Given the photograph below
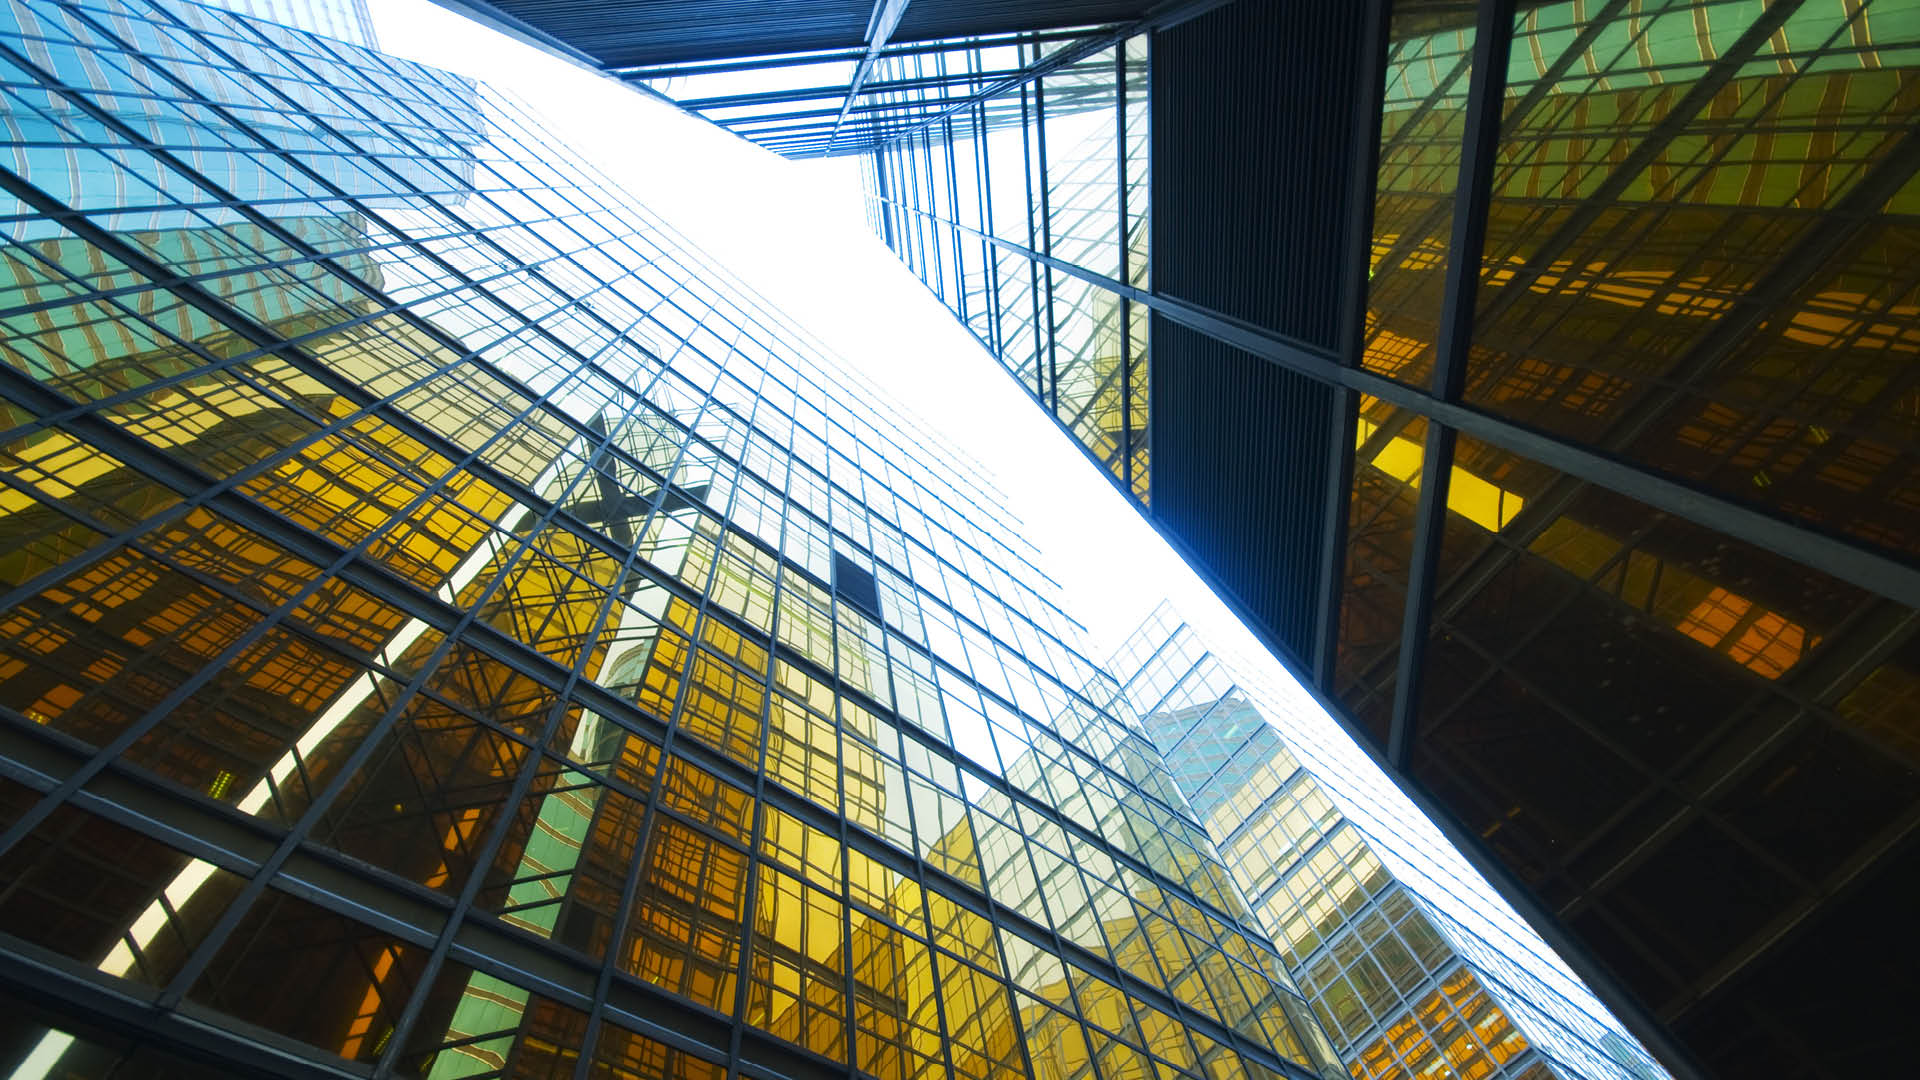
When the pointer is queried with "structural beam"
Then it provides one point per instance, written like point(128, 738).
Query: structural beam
point(1837, 556)
point(886, 16)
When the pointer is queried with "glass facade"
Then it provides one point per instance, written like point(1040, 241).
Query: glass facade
point(452, 628)
point(1023, 206)
point(1026, 213)
point(348, 20)
point(1616, 546)
point(1412, 965)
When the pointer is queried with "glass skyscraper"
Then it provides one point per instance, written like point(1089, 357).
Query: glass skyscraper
point(1535, 376)
point(1414, 965)
point(452, 628)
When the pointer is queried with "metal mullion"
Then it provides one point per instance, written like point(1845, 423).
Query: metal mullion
point(1033, 271)
point(1163, 16)
point(177, 475)
point(810, 93)
point(994, 908)
point(750, 890)
point(222, 311)
point(880, 27)
point(1125, 305)
point(1046, 236)
point(356, 151)
point(910, 182)
point(630, 72)
point(1364, 154)
point(842, 834)
point(203, 493)
point(983, 164)
point(982, 214)
point(1493, 39)
point(296, 835)
point(649, 801)
point(880, 194)
point(936, 277)
point(916, 869)
point(849, 980)
point(870, 115)
point(903, 221)
point(953, 207)
point(932, 225)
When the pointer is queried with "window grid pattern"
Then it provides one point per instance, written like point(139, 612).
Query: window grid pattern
point(419, 576)
point(1402, 989)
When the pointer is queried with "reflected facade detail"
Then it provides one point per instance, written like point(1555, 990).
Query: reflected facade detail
point(1413, 967)
point(453, 629)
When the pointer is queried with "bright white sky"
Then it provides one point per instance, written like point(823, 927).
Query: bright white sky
point(797, 232)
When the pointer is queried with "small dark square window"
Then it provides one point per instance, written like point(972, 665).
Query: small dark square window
point(856, 586)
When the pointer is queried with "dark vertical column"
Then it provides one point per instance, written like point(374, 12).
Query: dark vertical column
point(1253, 112)
point(1485, 92)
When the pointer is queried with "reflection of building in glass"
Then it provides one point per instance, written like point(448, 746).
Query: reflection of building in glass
point(1412, 971)
point(450, 628)
point(1081, 134)
point(1537, 377)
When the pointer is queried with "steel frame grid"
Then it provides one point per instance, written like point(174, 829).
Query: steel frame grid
point(1177, 654)
point(556, 679)
point(1820, 548)
point(918, 156)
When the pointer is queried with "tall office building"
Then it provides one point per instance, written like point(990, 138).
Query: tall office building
point(1415, 967)
point(451, 628)
point(1535, 375)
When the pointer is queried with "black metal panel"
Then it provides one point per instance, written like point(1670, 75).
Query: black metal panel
point(1240, 448)
point(1252, 145)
